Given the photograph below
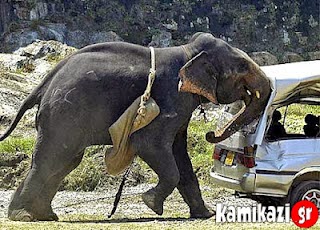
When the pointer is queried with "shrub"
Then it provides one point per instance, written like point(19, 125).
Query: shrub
point(200, 151)
point(18, 144)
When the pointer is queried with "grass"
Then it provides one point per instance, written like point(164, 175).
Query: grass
point(91, 172)
point(296, 113)
point(86, 176)
point(17, 144)
point(200, 151)
point(100, 222)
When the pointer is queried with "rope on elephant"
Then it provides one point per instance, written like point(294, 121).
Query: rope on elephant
point(147, 93)
point(140, 113)
point(118, 195)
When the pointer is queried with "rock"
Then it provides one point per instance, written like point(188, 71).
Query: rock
point(42, 68)
point(53, 31)
point(79, 38)
point(41, 49)
point(173, 25)
point(291, 57)
point(44, 54)
point(24, 37)
point(109, 36)
point(314, 55)
point(21, 11)
point(162, 39)
point(264, 58)
point(4, 16)
point(248, 25)
point(22, 71)
point(39, 11)
point(13, 90)
point(76, 38)
point(58, 32)
point(20, 38)
point(12, 62)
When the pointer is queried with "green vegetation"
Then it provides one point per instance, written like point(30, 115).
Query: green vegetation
point(17, 144)
point(87, 175)
point(296, 113)
point(91, 174)
point(54, 58)
point(199, 149)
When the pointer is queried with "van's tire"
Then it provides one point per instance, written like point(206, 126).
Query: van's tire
point(306, 190)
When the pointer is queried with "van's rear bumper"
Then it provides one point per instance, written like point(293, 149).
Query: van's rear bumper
point(245, 184)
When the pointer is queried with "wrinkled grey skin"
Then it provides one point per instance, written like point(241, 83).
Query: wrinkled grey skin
point(87, 92)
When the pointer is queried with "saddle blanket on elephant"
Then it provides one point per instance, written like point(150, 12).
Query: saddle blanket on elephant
point(121, 155)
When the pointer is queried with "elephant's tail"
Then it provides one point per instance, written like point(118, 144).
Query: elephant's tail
point(28, 103)
point(33, 98)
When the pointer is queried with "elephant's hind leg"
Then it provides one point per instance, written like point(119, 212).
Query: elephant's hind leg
point(50, 164)
point(158, 155)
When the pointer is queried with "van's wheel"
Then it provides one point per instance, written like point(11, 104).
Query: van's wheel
point(307, 190)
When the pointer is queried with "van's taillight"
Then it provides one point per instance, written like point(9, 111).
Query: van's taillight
point(248, 158)
point(249, 162)
point(217, 154)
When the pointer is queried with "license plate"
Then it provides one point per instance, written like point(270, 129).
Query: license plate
point(229, 159)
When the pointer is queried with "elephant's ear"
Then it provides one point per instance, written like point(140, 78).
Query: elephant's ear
point(199, 76)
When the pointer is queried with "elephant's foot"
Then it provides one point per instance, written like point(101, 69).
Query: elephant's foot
point(153, 201)
point(21, 215)
point(202, 213)
point(48, 217)
point(25, 216)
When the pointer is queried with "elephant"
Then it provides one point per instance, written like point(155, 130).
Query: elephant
point(86, 93)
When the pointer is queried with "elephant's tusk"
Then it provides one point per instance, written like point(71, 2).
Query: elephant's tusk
point(258, 94)
point(180, 85)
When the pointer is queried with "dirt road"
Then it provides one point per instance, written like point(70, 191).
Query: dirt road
point(131, 205)
point(89, 210)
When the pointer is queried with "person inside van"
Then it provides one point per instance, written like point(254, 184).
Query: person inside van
point(311, 129)
point(276, 129)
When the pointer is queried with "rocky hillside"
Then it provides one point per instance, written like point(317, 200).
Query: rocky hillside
point(283, 28)
point(21, 71)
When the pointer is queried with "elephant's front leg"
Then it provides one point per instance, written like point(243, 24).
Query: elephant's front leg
point(188, 185)
point(157, 153)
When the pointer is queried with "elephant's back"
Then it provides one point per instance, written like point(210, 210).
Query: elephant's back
point(95, 88)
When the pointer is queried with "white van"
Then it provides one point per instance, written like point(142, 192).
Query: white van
point(270, 160)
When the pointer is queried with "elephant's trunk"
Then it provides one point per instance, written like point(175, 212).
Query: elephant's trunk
point(257, 92)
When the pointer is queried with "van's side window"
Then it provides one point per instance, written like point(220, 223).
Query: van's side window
point(297, 120)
